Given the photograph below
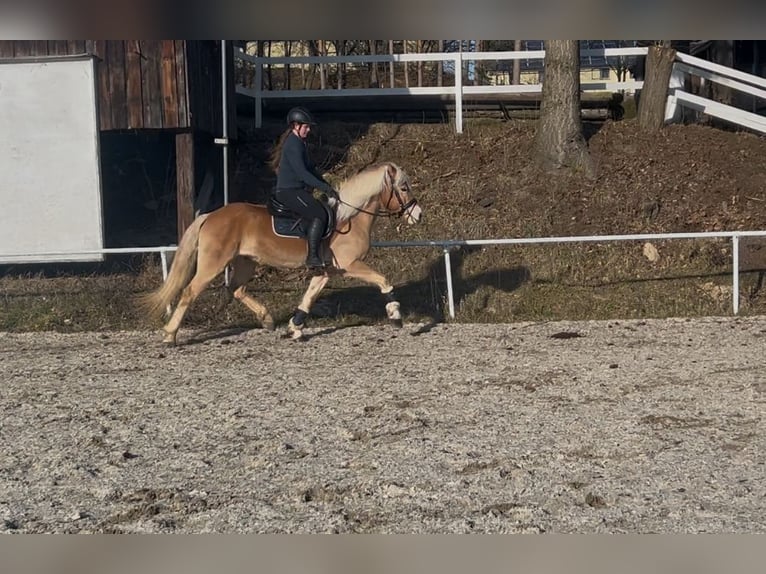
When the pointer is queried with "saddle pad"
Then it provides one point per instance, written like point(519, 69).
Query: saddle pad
point(287, 227)
point(291, 227)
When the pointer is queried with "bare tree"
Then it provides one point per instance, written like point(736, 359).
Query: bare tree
point(340, 50)
point(374, 82)
point(559, 141)
point(406, 66)
point(392, 78)
point(654, 94)
point(322, 67)
point(419, 48)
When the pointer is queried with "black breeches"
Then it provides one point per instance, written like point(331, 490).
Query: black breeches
point(303, 203)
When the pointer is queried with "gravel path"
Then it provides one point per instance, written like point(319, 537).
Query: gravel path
point(620, 426)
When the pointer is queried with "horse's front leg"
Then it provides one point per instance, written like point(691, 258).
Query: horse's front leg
point(365, 273)
point(298, 320)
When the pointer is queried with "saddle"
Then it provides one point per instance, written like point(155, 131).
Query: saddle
point(287, 223)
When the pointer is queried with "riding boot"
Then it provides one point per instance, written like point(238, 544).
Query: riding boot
point(314, 238)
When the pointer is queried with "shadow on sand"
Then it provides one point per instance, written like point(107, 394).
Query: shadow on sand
point(425, 299)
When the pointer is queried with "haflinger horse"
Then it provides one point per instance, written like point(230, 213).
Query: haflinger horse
point(242, 235)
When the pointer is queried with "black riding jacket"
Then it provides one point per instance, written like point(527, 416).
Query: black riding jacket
point(296, 171)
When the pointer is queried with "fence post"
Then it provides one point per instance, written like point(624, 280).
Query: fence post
point(459, 89)
point(164, 259)
point(735, 273)
point(448, 273)
point(258, 91)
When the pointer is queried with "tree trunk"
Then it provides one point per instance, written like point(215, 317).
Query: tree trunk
point(559, 141)
point(440, 67)
point(374, 83)
point(478, 64)
point(516, 64)
point(340, 50)
point(406, 66)
point(654, 94)
point(322, 67)
point(288, 53)
point(392, 77)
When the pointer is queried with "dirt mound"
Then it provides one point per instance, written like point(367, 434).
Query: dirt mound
point(484, 182)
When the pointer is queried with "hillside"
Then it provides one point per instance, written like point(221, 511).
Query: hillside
point(484, 184)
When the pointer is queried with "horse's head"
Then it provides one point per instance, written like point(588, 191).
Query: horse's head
point(397, 197)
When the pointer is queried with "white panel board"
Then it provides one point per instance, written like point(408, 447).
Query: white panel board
point(50, 181)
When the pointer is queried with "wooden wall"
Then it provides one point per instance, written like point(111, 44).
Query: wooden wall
point(147, 84)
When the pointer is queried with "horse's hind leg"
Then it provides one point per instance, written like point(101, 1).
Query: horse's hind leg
point(297, 321)
point(242, 271)
point(205, 274)
point(364, 272)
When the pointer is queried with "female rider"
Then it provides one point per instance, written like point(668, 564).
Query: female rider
point(297, 177)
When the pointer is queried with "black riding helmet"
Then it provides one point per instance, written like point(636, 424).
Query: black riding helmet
point(301, 116)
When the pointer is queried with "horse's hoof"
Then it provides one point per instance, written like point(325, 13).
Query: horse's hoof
point(295, 332)
point(268, 324)
point(169, 340)
point(398, 323)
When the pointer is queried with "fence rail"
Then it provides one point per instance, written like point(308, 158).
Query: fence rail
point(259, 94)
point(446, 245)
point(685, 64)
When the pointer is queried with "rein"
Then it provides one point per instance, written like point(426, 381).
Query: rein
point(403, 207)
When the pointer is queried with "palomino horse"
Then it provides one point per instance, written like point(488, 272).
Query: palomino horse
point(241, 235)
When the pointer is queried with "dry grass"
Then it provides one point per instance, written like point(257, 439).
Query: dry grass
point(479, 184)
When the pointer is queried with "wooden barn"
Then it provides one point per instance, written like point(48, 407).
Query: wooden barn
point(160, 98)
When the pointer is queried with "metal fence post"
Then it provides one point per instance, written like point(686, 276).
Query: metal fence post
point(459, 90)
point(448, 272)
point(735, 273)
point(258, 98)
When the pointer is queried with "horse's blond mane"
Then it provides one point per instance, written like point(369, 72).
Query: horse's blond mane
point(358, 189)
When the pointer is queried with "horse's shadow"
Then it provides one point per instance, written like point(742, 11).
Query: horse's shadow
point(425, 299)
point(207, 335)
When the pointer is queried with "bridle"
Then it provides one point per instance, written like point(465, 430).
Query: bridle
point(403, 207)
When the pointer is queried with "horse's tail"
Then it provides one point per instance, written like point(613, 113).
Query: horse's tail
point(181, 271)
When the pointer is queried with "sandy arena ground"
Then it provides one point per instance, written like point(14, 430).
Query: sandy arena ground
point(619, 426)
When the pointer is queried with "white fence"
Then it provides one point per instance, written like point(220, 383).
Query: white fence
point(457, 91)
point(685, 64)
point(449, 244)
point(737, 80)
point(728, 77)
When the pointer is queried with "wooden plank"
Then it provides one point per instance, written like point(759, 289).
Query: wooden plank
point(103, 95)
point(115, 54)
point(192, 78)
point(184, 180)
point(133, 83)
point(182, 94)
point(38, 48)
point(96, 48)
point(57, 47)
point(76, 46)
point(6, 48)
point(168, 85)
point(22, 49)
point(150, 80)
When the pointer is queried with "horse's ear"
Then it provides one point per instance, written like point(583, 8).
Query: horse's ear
point(390, 177)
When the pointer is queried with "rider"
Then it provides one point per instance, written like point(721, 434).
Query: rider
point(297, 176)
